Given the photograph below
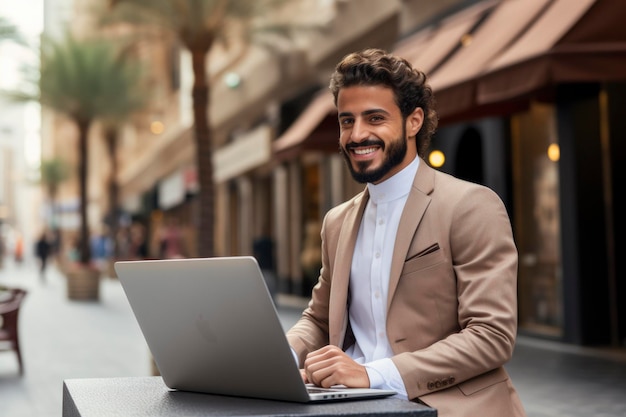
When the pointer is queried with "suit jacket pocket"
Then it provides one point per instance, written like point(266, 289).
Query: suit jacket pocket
point(426, 258)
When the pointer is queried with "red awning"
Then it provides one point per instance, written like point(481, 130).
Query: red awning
point(316, 127)
point(429, 48)
point(320, 111)
point(492, 56)
point(499, 28)
point(572, 41)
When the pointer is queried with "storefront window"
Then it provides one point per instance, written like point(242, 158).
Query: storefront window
point(537, 219)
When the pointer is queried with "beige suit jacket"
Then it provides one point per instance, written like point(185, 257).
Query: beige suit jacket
point(452, 306)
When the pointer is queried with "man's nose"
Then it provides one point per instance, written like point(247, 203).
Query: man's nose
point(360, 131)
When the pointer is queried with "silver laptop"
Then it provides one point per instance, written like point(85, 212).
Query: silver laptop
point(211, 326)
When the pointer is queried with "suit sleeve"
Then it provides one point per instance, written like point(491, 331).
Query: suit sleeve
point(471, 306)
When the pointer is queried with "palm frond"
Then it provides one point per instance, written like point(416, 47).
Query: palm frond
point(205, 20)
point(90, 79)
point(53, 172)
point(166, 14)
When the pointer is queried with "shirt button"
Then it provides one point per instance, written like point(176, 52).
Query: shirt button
point(381, 221)
point(377, 255)
point(377, 294)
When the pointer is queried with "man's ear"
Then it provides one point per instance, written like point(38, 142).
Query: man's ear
point(414, 122)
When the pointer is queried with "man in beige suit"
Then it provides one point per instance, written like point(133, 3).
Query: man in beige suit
point(417, 290)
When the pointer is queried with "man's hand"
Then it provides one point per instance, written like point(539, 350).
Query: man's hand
point(330, 366)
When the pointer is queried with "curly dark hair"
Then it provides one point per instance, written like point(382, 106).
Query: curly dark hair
point(377, 67)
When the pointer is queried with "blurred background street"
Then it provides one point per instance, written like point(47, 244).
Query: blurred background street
point(134, 129)
point(65, 339)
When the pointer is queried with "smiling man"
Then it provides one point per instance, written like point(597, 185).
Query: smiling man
point(417, 290)
point(373, 133)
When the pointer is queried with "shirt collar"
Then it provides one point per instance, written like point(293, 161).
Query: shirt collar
point(395, 187)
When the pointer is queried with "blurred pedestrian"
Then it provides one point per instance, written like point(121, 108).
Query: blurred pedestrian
point(101, 248)
point(1, 251)
point(172, 245)
point(138, 249)
point(18, 249)
point(43, 249)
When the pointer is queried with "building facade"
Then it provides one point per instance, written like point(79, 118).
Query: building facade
point(528, 96)
point(533, 114)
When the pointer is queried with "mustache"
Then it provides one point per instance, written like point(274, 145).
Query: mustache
point(365, 143)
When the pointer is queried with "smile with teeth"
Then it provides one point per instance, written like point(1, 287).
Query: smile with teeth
point(364, 151)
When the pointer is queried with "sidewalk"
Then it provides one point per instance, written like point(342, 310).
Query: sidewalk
point(64, 339)
point(557, 380)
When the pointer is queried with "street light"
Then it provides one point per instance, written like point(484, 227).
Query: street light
point(232, 80)
point(554, 152)
point(436, 159)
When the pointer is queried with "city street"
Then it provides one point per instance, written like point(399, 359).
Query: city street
point(64, 339)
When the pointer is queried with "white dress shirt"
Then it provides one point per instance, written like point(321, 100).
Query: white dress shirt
point(369, 278)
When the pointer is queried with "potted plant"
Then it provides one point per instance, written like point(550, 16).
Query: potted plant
point(81, 79)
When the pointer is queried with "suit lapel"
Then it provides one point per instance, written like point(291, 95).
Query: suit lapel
point(338, 318)
point(416, 204)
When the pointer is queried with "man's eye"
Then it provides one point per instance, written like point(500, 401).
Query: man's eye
point(376, 118)
point(345, 122)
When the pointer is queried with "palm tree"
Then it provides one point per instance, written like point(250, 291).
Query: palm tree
point(198, 24)
point(53, 172)
point(128, 96)
point(82, 79)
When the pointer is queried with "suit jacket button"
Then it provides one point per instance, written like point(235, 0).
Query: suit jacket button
point(430, 385)
point(438, 384)
point(451, 380)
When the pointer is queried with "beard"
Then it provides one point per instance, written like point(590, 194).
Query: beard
point(394, 155)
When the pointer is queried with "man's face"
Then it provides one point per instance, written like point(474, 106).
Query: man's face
point(373, 133)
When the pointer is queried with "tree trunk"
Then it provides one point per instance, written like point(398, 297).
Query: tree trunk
point(83, 242)
point(204, 152)
point(54, 215)
point(111, 143)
